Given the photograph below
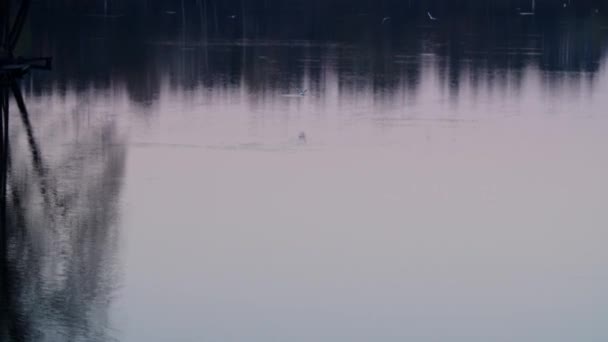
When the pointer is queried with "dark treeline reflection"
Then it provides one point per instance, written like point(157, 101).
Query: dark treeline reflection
point(273, 45)
point(59, 266)
point(318, 16)
point(311, 19)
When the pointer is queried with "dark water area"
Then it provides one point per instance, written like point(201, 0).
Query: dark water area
point(297, 171)
point(136, 48)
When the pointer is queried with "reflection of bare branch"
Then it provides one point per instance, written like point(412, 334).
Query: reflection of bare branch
point(59, 280)
point(33, 145)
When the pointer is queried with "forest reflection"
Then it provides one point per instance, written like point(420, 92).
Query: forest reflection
point(384, 58)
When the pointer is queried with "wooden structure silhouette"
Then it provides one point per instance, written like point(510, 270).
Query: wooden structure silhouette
point(12, 69)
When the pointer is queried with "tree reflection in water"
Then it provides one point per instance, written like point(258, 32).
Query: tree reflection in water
point(60, 242)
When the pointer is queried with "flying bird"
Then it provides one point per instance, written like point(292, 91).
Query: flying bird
point(385, 19)
point(431, 16)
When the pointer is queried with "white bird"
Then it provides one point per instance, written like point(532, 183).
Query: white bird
point(232, 16)
point(385, 19)
point(170, 12)
point(431, 16)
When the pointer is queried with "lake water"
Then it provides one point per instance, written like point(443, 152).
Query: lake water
point(444, 185)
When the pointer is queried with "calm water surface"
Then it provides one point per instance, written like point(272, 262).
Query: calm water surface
point(437, 187)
